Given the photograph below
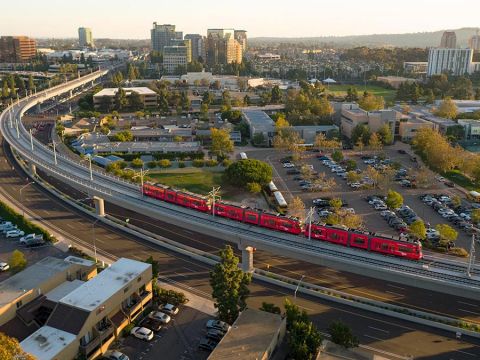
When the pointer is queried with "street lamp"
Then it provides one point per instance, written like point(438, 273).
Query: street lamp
point(298, 285)
point(21, 196)
point(94, 240)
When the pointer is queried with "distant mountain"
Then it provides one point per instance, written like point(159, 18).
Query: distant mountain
point(421, 39)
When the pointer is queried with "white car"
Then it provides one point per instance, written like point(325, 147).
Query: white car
point(440, 178)
point(324, 213)
point(444, 198)
point(465, 216)
point(9, 228)
point(169, 309)
point(142, 333)
point(4, 266)
point(14, 233)
point(380, 207)
point(160, 316)
point(115, 355)
point(288, 165)
point(369, 161)
point(355, 185)
point(432, 233)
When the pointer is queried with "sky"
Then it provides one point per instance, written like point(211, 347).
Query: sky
point(124, 19)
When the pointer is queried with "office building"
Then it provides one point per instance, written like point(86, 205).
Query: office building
point(241, 37)
point(17, 49)
point(188, 44)
point(408, 128)
point(163, 35)
point(415, 67)
point(85, 37)
point(88, 317)
point(198, 45)
point(147, 96)
point(453, 61)
point(449, 40)
point(374, 120)
point(222, 48)
point(175, 57)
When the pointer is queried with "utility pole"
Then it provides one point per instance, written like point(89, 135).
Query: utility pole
point(309, 217)
point(142, 175)
point(213, 195)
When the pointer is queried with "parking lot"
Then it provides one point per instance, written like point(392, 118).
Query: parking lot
point(356, 197)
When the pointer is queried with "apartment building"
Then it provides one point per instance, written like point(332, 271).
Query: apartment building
point(374, 120)
point(163, 35)
point(188, 44)
point(147, 96)
point(449, 40)
point(86, 320)
point(17, 49)
point(19, 291)
point(198, 45)
point(222, 48)
point(454, 61)
point(85, 37)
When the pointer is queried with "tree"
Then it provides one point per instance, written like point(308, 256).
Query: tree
point(304, 340)
point(447, 109)
point(370, 102)
point(352, 94)
point(337, 156)
point(342, 335)
point(286, 138)
point(374, 143)
point(475, 216)
point(322, 142)
point(248, 171)
point(418, 229)
point(17, 261)
point(135, 101)
point(394, 199)
point(294, 314)
point(271, 308)
point(447, 234)
point(296, 208)
point(221, 143)
point(385, 134)
point(123, 136)
point(229, 286)
point(336, 203)
point(353, 177)
point(361, 132)
point(10, 349)
point(137, 163)
point(350, 164)
point(121, 100)
point(276, 95)
point(31, 83)
point(155, 266)
point(259, 139)
point(254, 187)
point(456, 201)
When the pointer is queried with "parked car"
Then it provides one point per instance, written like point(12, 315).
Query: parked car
point(160, 316)
point(215, 334)
point(207, 344)
point(115, 355)
point(288, 165)
point(4, 266)
point(14, 233)
point(293, 172)
point(219, 325)
point(152, 324)
point(402, 151)
point(9, 228)
point(170, 309)
point(142, 333)
point(5, 224)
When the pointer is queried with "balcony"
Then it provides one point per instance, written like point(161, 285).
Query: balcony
point(137, 304)
point(103, 334)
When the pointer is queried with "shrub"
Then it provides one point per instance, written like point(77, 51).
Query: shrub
point(459, 251)
point(254, 188)
point(164, 296)
point(226, 162)
point(126, 330)
point(164, 163)
point(181, 164)
point(198, 163)
point(212, 163)
point(137, 163)
point(151, 164)
point(17, 261)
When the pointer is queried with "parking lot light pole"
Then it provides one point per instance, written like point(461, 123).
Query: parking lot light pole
point(298, 285)
point(21, 195)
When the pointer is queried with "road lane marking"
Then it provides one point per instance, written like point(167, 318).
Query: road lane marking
point(396, 287)
point(384, 331)
point(468, 311)
point(372, 337)
point(466, 353)
point(110, 236)
point(306, 308)
point(188, 269)
point(71, 226)
point(393, 293)
point(465, 303)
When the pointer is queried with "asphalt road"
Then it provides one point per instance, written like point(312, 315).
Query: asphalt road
point(383, 333)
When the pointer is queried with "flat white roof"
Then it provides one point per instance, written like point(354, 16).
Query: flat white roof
point(113, 91)
point(47, 342)
point(96, 291)
point(63, 289)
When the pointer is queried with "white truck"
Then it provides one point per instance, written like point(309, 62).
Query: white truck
point(32, 240)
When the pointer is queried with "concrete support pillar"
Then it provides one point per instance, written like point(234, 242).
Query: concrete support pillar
point(99, 206)
point(38, 108)
point(247, 258)
point(92, 83)
point(70, 93)
point(33, 169)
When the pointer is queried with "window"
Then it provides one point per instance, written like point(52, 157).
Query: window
point(404, 249)
point(126, 289)
point(19, 304)
point(139, 279)
point(359, 241)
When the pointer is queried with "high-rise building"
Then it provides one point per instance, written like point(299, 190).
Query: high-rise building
point(222, 48)
point(449, 40)
point(85, 37)
point(16, 49)
point(241, 37)
point(188, 44)
point(453, 61)
point(474, 42)
point(173, 57)
point(163, 35)
point(198, 45)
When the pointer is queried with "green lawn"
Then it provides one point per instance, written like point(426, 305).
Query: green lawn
point(196, 180)
point(341, 90)
point(458, 178)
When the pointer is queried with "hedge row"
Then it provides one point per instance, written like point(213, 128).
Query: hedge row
point(27, 226)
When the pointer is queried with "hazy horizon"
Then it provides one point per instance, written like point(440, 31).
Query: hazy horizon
point(50, 19)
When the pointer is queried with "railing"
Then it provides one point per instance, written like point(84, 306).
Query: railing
point(95, 343)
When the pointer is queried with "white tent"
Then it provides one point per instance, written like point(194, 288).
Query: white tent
point(329, 81)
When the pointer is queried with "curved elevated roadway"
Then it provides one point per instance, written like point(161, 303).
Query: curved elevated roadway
point(439, 276)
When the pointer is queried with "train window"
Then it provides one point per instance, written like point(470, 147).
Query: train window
point(358, 241)
point(385, 246)
point(404, 249)
point(271, 221)
point(252, 217)
point(334, 236)
point(287, 224)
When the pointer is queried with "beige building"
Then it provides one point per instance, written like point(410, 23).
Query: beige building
point(17, 49)
point(409, 127)
point(19, 290)
point(351, 117)
point(222, 48)
point(147, 96)
point(87, 319)
point(253, 336)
